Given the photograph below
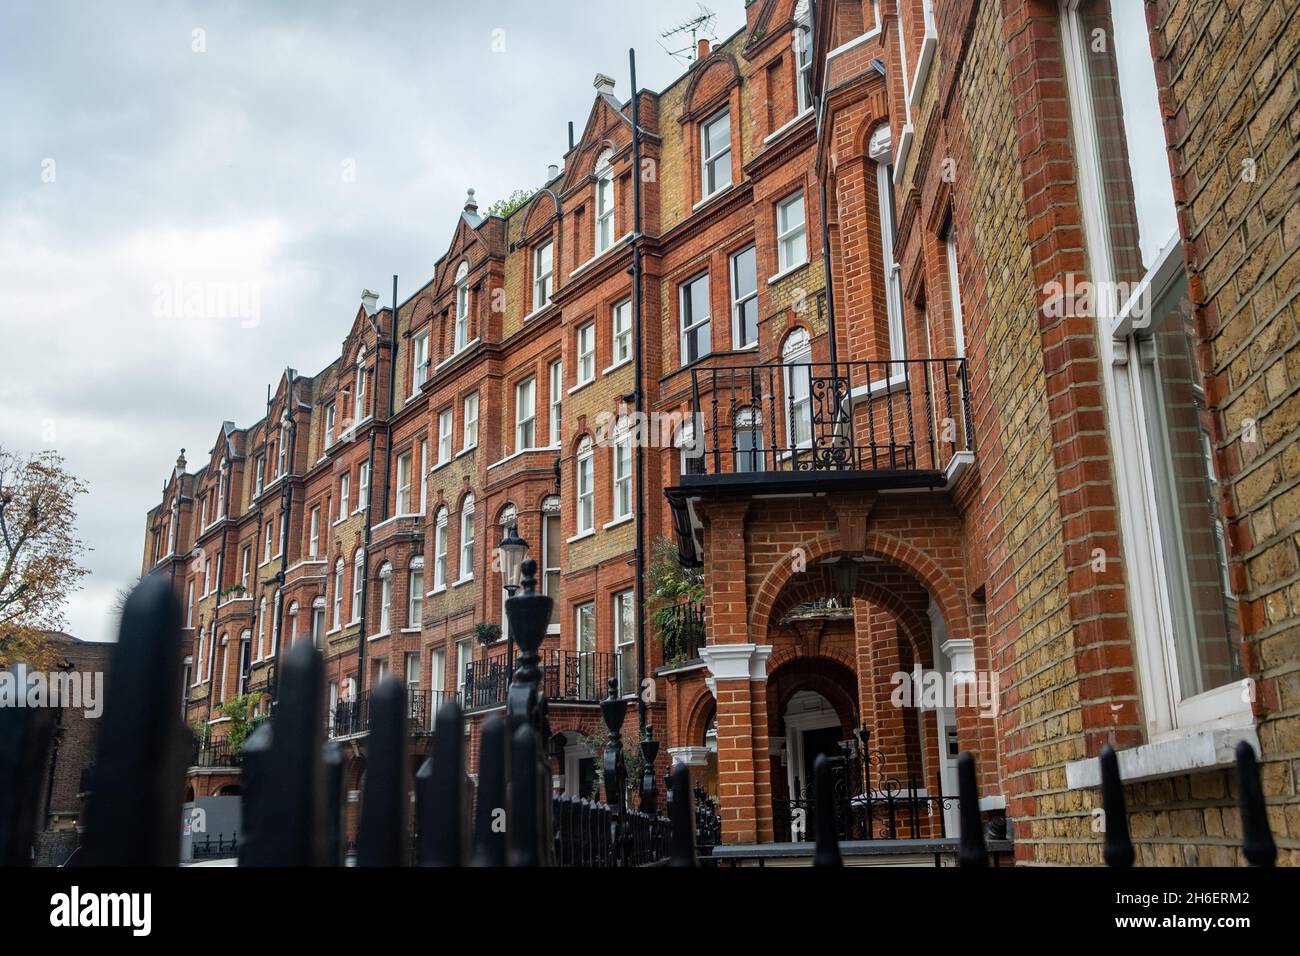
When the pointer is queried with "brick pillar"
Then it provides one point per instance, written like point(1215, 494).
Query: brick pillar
point(739, 683)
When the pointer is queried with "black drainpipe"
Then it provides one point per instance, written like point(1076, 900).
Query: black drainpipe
point(286, 504)
point(639, 394)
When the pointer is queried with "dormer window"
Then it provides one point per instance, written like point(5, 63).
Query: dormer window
point(359, 390)
point(715, 153)
point(260, 473)
point(462, 307)
point(543, 270)
point(329, 425)
point(604, 201)
point(282, 461)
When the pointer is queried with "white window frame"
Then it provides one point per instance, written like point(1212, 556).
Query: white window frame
point(462, 308)
point(625, 640)
point(404, 499)
point(189, 604)
point(551, 525)
point(787, 233)
point(526, 414)
point(329, 425)
point(695, 323)
point(543, 277)
point(585, 469)
point(440, 549)
point(359, 388)
point(363, 486)
point(605, 203)
point(709, 162)
point(586, 353)
point(469, 428)
point(738, 303)
point(424, 475)
point(337, 616)
point(385, 598)
point(620, 321)
point(1167, 714)
point(415, 593)
point(467, 523)
point(419, 361)
point(803, 64)
point(358, 585)
point(797, 350)
point(880, 150)
point(313, 538)
point(345, 493)
point(555, 377)
point(444, 435)
point(621, 477)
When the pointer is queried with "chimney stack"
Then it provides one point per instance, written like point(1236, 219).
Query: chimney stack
point(603, 84)
point(703, 50)
point(370, 300)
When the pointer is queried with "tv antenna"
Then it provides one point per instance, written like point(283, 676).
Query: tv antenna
point(702, 24)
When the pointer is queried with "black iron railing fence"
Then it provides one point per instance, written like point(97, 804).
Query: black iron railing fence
point(895, 416)
point(210, 847)
point(213, 753)
point(293, 786)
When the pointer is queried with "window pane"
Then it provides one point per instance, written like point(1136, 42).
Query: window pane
point(1191, 532)
point(1132, 155)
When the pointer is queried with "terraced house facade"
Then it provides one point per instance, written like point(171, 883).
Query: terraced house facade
point(949, 345)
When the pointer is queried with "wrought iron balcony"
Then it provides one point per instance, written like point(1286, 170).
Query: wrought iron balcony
point(681, 630)
point(567, 677)
point(213, 753)
point(804, 427)
point(352, 716)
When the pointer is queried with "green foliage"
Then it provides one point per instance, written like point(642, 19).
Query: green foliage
point(671, 584)
point(632, 759)
point(516, 200)
point(487, 632)
point(237, 709)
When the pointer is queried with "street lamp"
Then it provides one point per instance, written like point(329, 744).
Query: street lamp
point(513, 548)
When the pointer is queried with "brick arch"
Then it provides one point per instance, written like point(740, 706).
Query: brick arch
point(827, 674)
point(532, 224)
point(817, 582)
point(877, 116)
point(701, 708)
point(906, 556)
point(702, 69)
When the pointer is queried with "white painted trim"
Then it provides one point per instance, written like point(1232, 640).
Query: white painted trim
point(522, 451)
point(600, 255)
point(691, 756)
point(1183, 753)
point(590, 532)
point(790, 270)
point(616, 365)
point(786, 127)
point(856, 41)
point(616, 522)
point(454, 355)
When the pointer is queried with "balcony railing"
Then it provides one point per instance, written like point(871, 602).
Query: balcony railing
point(213, 753)
point(903, 419)
point(567, 676)
point(681, 629)
point(352, 716)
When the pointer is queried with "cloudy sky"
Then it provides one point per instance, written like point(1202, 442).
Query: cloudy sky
point(290, 154)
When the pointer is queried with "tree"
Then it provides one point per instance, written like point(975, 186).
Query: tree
point(39, 554)
point(504, 207)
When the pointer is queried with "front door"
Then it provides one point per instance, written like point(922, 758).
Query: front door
point(823, 740)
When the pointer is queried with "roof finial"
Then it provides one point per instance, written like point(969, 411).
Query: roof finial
point(470, 204)
point(180, 460)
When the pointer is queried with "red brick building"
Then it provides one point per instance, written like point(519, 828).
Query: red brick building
point(1031, 443)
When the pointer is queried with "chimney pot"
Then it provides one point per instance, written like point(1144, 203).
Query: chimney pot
point(703, 48)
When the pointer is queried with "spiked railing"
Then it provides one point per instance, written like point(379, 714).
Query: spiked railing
point(292, 788)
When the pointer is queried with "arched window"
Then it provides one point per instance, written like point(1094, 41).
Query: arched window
point(462, 307)
point(586, 486)
point(415, 593)
point(338, 594)
point(318, 621)
point(358, 583)
point(359, 389)
point(747, 429)
point(293, 623)
point(796, 356)
point(440, 549)
point(880, 149)
point(551, 541)
point(604, 201)
point(467, 538)
point(385, 597)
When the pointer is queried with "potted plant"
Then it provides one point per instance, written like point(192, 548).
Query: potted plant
point(487, 632)
point(671, 586)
